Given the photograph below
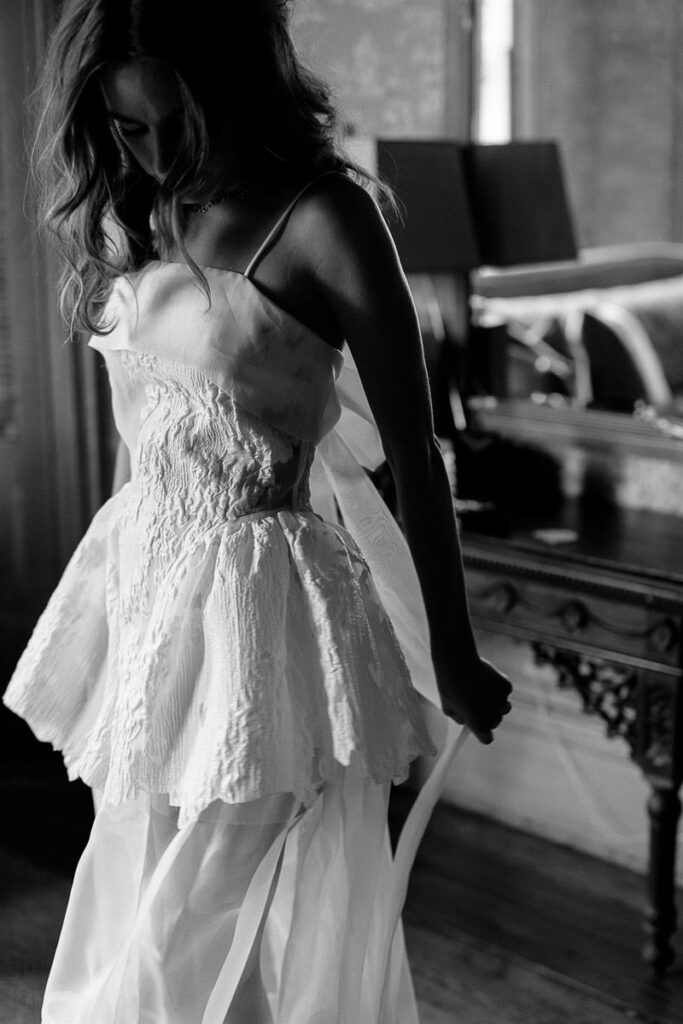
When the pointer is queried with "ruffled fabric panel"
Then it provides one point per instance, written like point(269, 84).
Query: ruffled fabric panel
point(58, 685)
point(266, 659)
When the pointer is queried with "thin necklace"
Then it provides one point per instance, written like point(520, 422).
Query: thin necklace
point(222, 197)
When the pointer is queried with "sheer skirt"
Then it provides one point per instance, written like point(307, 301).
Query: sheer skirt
point(255, 913)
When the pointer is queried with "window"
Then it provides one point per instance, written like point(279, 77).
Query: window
point(494, 107)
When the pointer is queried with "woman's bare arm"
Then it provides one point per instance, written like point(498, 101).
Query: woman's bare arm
point(354, 263)
point(121, 467)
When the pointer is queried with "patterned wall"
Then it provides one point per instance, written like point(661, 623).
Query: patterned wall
point(386, 60)
point(606, 79)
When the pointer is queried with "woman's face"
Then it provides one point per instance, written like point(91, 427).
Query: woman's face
point(144, 107)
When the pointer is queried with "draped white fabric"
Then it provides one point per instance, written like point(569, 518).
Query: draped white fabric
point(169, 926)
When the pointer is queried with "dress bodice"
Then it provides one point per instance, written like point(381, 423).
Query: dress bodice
point(200, 457)
point(220, 404)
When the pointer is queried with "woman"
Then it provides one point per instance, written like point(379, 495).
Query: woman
point(216, 658)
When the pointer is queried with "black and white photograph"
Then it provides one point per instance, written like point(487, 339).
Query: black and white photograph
point(341, 511)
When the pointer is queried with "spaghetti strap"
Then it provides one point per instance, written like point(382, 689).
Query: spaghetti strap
point(276, 229)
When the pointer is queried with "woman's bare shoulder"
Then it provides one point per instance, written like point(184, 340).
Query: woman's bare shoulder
point(338, 217)
point(336, 192)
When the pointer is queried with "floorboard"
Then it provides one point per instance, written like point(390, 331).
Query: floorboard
point(464, 981)
point(525, 930)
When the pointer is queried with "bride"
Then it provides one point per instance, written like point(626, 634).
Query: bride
point(234, 653)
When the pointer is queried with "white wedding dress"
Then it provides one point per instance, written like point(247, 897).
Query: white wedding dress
point(236, 672)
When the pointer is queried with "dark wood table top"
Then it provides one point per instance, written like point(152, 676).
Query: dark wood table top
point(643, 543)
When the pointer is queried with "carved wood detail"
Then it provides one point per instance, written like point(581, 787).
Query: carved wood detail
point(575, 616)
point(639, 707)
point(658, 729)
point(594, 586)
point(607, 690)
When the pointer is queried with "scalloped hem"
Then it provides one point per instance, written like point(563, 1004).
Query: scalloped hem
point(191, 803)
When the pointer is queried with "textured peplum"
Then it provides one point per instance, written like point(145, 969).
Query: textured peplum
point(212, 636)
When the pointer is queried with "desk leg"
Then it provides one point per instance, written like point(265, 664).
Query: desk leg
point(659, 755)
point(646, 709)
point(664, 808)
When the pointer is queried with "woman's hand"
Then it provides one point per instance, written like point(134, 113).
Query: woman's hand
point(479, 698)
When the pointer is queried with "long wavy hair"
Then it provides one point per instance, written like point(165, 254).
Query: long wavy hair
point(237, 72)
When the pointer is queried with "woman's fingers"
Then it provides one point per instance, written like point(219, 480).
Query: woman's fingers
point(484, 702)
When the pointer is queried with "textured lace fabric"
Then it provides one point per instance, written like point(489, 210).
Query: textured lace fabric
point(212, 637)
point(201, 461)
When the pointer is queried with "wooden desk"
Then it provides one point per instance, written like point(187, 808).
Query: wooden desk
point(607, 612)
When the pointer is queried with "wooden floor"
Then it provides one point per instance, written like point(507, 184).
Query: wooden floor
point(505, 928)
point(501, 928)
